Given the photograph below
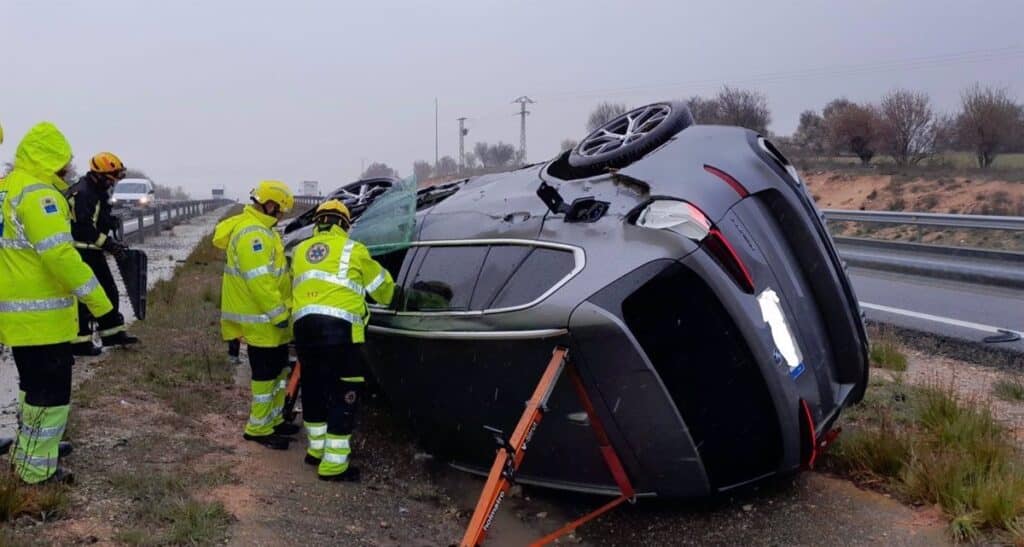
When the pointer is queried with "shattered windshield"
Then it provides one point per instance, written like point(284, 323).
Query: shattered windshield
point(388, 224)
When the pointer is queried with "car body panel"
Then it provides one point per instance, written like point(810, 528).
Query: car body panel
point(683, 361)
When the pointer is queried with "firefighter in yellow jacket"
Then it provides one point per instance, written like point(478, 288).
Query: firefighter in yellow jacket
point(332, 274)
point(255, 306)
point(43, 279)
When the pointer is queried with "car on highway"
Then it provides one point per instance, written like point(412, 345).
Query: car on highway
point(133, 192)
point(687, 271)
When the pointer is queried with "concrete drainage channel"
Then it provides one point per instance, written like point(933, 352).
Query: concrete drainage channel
point(167, 234)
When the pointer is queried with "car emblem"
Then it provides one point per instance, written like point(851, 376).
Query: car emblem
point(317, 253)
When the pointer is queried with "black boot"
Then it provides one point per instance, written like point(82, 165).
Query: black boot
point(60, 476)
point(285, 428)
point(311, 460)
point(272, 441)
point(350, 475)
point(85, 349)
point(63, 450)
point(119, 339)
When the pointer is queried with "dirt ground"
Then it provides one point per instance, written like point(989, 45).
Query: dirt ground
point(407, 499)
point(871, 192)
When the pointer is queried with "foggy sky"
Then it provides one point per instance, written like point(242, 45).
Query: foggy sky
point(228, 93)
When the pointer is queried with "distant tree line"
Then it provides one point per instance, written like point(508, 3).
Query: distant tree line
point(903, 124)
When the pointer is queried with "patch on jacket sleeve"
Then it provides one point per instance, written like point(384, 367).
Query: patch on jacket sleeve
point(49, 205)
point(257, 244)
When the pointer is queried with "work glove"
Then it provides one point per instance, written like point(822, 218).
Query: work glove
point(115, 247)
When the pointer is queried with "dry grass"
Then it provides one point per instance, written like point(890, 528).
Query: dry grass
point(885, 352)
point(1009, 390)
point(44, 503)
point(165, 513)
point(182, 362)
point(182, 368)
point(929, 446)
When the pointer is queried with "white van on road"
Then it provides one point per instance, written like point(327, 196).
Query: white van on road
point(133, 193)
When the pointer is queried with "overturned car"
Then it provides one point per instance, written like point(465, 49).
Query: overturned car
point(689, 274)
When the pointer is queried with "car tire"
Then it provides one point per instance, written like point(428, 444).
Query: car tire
point(600, 150)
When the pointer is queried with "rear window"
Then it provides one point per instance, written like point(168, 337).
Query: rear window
point(461, 278)
point(538, 273)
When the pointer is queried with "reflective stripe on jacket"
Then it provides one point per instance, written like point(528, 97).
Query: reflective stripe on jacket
point(256, 289)
point(41, 272)
point(332, 275)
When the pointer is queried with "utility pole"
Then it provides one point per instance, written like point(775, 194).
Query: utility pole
point(462, 144)
point(523, 113)
point(435, 134)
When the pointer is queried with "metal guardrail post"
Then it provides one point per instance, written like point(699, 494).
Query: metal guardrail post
point(142, 225)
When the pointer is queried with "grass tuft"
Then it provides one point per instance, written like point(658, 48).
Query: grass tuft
point(885, 352)
point(931, 447)
point(43, 502)
point(165, 513)
point(1009, 390)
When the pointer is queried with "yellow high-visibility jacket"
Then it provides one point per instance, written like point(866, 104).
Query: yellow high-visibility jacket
point(332, 274)
point(256, 289)
point(41, 273)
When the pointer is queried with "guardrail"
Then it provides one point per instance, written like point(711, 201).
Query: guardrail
point(308, 201)
point(945, 220)
point(136, 224)
point(961, 263)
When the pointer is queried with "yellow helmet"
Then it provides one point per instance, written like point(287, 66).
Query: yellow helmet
point(276, 191)
point(106, 163)
point(333, 207)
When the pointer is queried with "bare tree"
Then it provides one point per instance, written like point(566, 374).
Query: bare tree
point(482, 153)
point(135, 173)
point(704, 111)
point(732, 106)
point(810, 134)
point(567, 144)
point(447, 166)
point(603, 113)
point(502, 154)
point(377, 169)
point(743, 108)
point(989, 122)
point(470, 160)
point(494, 155)
point(908, 126)
point(851, 127)
point(422, 170)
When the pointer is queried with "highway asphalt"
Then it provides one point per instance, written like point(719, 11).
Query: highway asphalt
point(955, 309)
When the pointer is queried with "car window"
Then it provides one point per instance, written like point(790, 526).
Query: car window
point(445, 279)
point(131, 188)
point(501, 262)
point(541, 270)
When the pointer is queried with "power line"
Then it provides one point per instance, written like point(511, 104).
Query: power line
point(523, 113)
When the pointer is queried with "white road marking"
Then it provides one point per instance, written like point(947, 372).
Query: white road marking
point(939, 319)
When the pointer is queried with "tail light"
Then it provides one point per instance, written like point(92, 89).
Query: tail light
point(728, 179)
point(724, 252)
point(688, 221)
point(809, 444)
